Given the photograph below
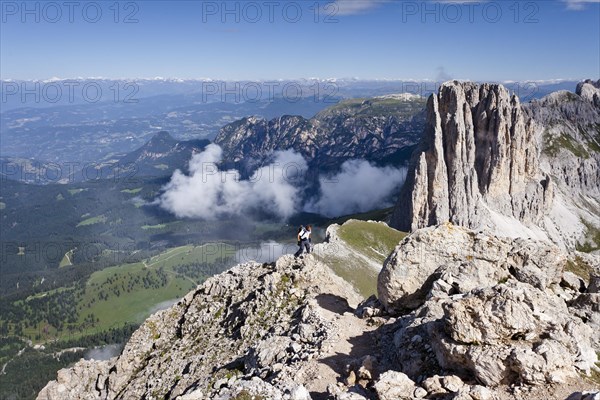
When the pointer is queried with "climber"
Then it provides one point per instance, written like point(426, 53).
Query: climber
point(304, 240)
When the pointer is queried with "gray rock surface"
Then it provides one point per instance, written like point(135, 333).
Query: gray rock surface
point(587, 307)
point(248, 329)
point(393, 385)
point(478, 152)
point(512, 332)
point(486, 307)
point(521, 170)
point(449, 259)
point(589, 91)
point(86, 381)
point(568, 138)
point(594, 286)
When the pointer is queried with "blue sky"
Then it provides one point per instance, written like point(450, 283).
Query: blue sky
point(482, 40)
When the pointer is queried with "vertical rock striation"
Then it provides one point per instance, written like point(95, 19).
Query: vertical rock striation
point(478, 157)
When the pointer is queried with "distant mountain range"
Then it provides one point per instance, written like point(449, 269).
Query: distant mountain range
point(71, 90)
point(96, 133)
point(57, 121)
point(159, 157)
point(382, 129)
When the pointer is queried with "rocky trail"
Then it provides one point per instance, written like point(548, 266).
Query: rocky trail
point(349, 340)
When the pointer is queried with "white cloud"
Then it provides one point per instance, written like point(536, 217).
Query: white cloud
point(358, 187)
point(578, 4)
point(210, 193)
point(353, 7)
point(266, 252)
point(103, 353)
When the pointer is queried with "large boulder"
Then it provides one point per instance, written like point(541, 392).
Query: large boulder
point(513, 332)
point(85, 381)
point(453, 260)
point(493, 309)
point(393, 385)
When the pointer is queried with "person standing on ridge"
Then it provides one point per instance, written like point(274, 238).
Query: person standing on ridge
point(304, 240)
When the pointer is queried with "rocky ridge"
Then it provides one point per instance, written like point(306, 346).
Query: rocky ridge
point(570, 153)
point(250, 329)
point(373, 129)
point(461, 315)
point(488, 161)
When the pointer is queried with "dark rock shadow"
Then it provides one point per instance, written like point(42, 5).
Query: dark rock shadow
point(320, 396)
point(334, 303)
point(575, 396)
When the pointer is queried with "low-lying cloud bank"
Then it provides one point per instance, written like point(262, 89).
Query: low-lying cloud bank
point(358, 187)
point(210, 193)
point(278, 188)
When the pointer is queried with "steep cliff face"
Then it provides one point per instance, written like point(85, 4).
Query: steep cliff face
point(363, 128)
point(479, 150)
point(487, 161)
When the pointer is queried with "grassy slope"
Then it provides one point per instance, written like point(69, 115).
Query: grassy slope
point(553, 145)
point(135, 306)
point(366, 246)
point(375, 107)
point(132, 191)
point(93, 220)
point(66, 260)
point(374, 240)
point(592, 242)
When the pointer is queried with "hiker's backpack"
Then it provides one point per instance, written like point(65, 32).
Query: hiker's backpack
point(305, 234)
